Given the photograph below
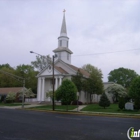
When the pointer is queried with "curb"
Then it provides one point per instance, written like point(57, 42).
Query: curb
point(102, 114)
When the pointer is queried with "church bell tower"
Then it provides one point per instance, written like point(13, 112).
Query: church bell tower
point(63, 52)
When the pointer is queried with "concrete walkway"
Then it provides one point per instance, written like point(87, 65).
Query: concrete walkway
point(79, 108)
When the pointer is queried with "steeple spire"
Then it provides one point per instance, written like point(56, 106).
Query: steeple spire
point(63, 27)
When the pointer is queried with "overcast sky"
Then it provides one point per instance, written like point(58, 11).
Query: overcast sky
point(95, 27)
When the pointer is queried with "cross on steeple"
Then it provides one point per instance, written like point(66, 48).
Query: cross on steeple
point(64, 10)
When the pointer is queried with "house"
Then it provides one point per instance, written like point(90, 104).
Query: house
point(5, 91)
point(63, 69)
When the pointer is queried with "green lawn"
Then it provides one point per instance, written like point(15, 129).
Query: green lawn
point(113, 108)
point(11, 104)
point(57, 107)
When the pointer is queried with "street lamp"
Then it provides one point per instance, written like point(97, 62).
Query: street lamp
point(54, 56)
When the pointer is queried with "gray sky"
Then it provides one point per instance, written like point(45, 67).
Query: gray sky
point(94, 27)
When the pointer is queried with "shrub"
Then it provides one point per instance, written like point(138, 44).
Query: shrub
point(137, 103)
point(104, 101)
point(121, 103)
point(66, 92)
point(10, 97)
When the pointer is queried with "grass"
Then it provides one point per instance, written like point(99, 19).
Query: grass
point(11, 104)
point(113, 108)
point(57, 107)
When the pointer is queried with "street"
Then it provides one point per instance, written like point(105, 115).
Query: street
point(33, 125)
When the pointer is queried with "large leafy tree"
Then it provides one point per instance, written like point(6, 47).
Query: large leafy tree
point(122, 76)
point(5, 79)
point(134, 92)
point(66, 92)
point(117, 91)
point(5, 66)
point(77, 80)
point(93, 84)
point(41, 62)
point(27, 72)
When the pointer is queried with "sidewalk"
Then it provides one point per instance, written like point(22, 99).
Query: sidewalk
point(19, 107)
point(79, 108)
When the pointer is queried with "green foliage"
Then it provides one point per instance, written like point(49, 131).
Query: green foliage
point(11, 97)
point(122, 76)
point(104, 101)
point(27, 72)
point(66, 92)
point(41, 62)
point(137, 103)
point(117, 91)
point(24, 71)
point(77, 80)
point(134, 91)
point(122, 102)
point(93, 84)
point(6, 80)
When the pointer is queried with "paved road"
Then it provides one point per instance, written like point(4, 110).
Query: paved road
point(31, 125)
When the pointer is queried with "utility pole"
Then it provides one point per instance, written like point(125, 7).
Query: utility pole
point(53, 86)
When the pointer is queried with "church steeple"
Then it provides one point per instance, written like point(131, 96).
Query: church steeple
point(63, 52)
point(63, 27)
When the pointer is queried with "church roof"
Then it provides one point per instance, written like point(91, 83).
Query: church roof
point(83, 72)
point(6, 90)
point(59, 49)
point(61, 70)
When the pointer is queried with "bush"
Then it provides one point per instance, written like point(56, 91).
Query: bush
point(75, 102)
point(137, 103)
point(134, 91)
point(104, 101)
point(121, 103)
point(10, 97)
point(66, 92)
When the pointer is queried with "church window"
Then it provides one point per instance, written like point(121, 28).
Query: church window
point(67, 43)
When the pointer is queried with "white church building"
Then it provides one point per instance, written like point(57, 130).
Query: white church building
point(63, 69)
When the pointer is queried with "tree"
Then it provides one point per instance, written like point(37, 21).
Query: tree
point(27, 72)
point(66, 92)
point(5, 66)
point(122, 76)
point(77, 80)
point(104, 101)
point(117, 91)
point(27, 93)
point(6, 80)
point(134, 92)
point(41, 62)
point(93, 84)
point(11, 97)
point(24, 71)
